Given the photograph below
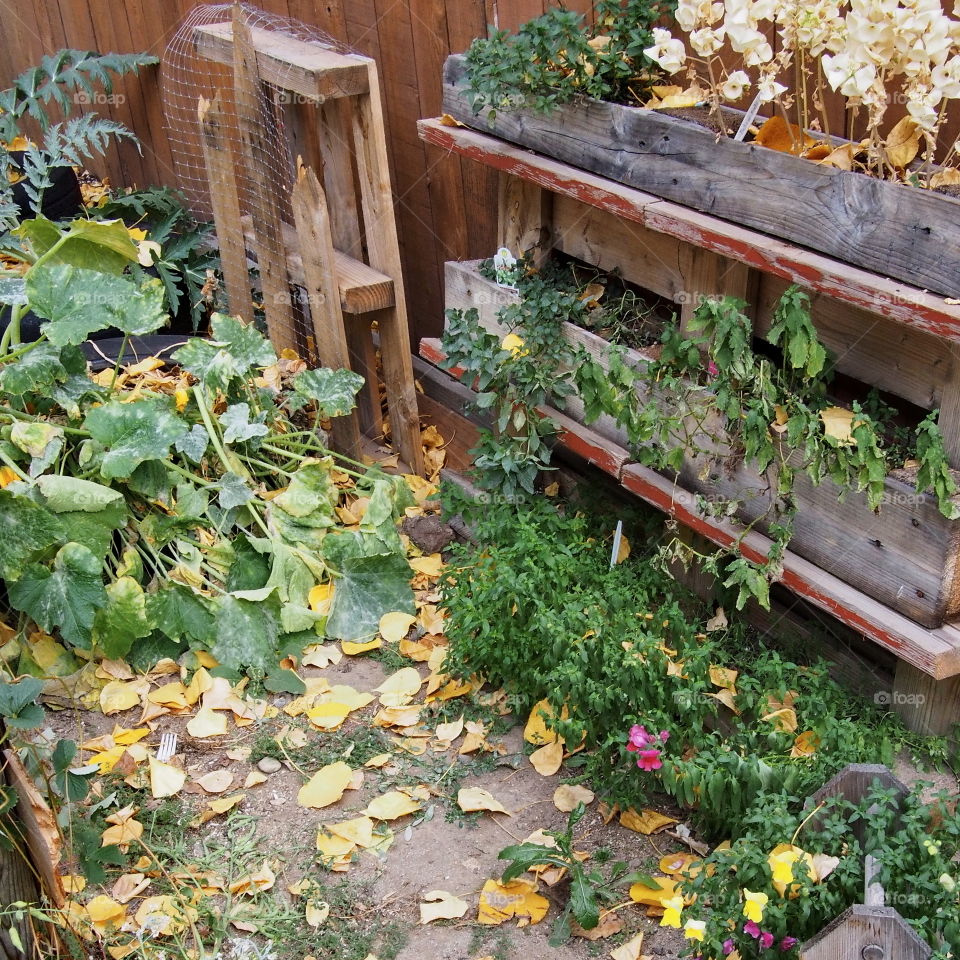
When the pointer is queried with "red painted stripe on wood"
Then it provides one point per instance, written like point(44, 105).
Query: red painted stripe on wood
point(900, 302)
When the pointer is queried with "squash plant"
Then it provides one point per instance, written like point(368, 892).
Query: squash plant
point(145, 512)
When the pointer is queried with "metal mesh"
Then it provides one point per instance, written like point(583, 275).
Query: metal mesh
point(187, 75)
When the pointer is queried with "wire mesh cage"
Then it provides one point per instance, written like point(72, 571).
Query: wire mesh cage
point(198, 70)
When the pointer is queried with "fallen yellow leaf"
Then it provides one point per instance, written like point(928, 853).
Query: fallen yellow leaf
point(395, 626)
point(352, 649)
point(440, 905)
point(430, 566)
point(216, 781)
point(392, 805)
point(566, 798)
point(165, 779)
point(838, 423)
point(784, 720)
point(805, 745)
point(326, 786)
point(536, 730)
point(518, 898)
point(665, 889)
point(724, 678)
point(548, 759)
point(105, 913)
point(207, 723)
point(316, 913)
point(118, 695)
point(472, 799)
point(646, 821)
point(631, 950)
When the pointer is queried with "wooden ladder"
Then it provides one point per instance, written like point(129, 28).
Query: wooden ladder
point(342, 247)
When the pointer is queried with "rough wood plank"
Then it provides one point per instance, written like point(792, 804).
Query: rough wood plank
point(362, 289)
point(268, 241)
point(898, 301)
point(339, 179)
point(304, 68)
point(319, 269)
point(384, 255)
point(220, 165)
point(926, 705)
point(650, 260)
point(871, 933)
point(949, 417)
point(936, 652)
point(891, 229)
point(524, 214)
point(707, 275)
point(888, 355)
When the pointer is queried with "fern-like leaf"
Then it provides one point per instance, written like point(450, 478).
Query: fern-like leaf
point(57, 78)
point(68, 144)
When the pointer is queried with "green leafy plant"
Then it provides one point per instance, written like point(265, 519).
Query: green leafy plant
point(588, 887)
point(66, 79)
point(801, 876)
point(554, 58)
point(196, 509)
point(185, 259)
point(536, 608)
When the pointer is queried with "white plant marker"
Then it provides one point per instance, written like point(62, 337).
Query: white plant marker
point(617, 537)
point(749, 117)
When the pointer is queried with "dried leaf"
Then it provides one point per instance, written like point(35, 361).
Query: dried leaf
point(724, 678)
point(316, 913)
point(548, 759)
point(105, 913)
point(805, 745)
point(518, 898)
point(948, 177)
point(777, 134)
point(784, 720)
point(902, 143)
point(717, 622)
point(395, 626)
point(646, 821)
point(352, 649)
point(216, 781)
point(665, 889)
point(326, 786)
point(609, 925)
point(165, 779)
point(440, 905)
point(566, 798)
point(536, 730)
point(631, 950)
point(392, 805)
point(207, 723)
point(321, 655)
point(118, 695)
point(400, 688)
point(838, 423)
point(472, 799)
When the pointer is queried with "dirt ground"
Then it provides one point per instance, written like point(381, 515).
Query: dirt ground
point(447, 850)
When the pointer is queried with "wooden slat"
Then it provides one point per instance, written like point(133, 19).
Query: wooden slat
point(524, 214)
point(320, 280)
point(898, 301)
point(303, 68)
point(384, 254)
point(220, 166)
point(362, 289)
point(268, 240)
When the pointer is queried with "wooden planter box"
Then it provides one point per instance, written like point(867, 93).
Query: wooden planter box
point(904, 556)
point(894, 230)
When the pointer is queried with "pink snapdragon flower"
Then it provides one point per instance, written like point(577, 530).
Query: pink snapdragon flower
point(766, 939)
point(727, 947)
point(751, 929)
point(649, 759)
point(788, 943)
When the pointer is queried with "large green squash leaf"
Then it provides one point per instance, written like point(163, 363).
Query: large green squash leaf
point(333, 391)
point(66, 597)
point(78, 302)
point(101, 245)
point(66, 494)
point(133, 433)
point(181, 614)
point(234, 350)
point(95, 530)
point(123, 619)
point(25, 529)
point(246, 635)
point(368, 588)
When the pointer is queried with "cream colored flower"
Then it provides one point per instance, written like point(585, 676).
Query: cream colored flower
point(734, 87)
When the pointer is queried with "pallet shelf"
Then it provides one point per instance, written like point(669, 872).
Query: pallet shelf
point(890, 334)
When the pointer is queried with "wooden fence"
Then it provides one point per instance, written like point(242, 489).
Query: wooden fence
point(446, 207)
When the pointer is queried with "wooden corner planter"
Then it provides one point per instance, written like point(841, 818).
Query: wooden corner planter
point(894, 230)
point(870, 930)
point(904, 556)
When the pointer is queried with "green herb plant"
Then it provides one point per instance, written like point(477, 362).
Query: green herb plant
point(556, 57)
point(535, 608)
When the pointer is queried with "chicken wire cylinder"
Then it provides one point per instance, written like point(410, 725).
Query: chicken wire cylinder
point(188, 74)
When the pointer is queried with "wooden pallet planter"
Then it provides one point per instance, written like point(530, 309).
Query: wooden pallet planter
point(894, 230)
point(870, 930)
point(905, 556)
